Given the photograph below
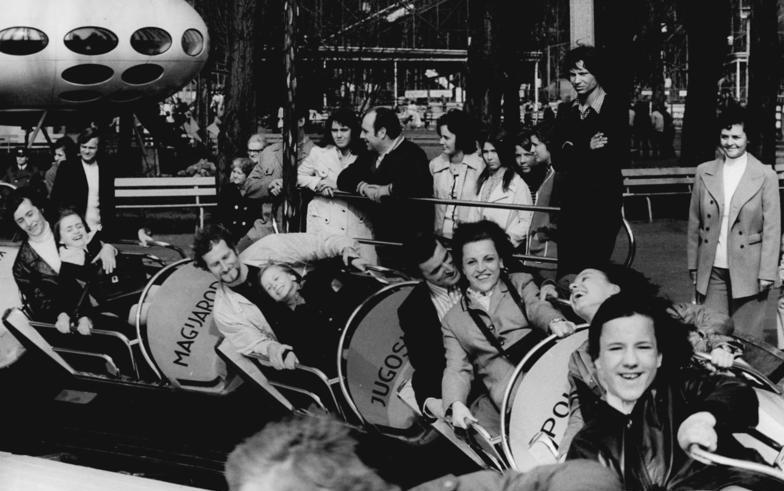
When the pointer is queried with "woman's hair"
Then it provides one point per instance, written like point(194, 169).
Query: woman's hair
point(344, 116)
point(481, 230)
point(285, 267)
point(68, 146)
point(671, 336)
point(628, 280)
point(61, 215)
point(505, 150)
point(463, 127)
point(244, 164)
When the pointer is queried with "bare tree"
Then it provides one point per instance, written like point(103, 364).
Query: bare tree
point(764, 63)
point(241, 96)
point(484, 77)
point(706, 24)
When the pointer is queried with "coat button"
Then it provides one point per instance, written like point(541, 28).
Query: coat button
point(740, 232)
point(741, 246)
point(707, 229)
point(236, 207)
point(711, 201)
point(705, 241)
point(709, 215)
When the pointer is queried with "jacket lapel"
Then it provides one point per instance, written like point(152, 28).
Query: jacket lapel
point(749, 184)
point(713, 182)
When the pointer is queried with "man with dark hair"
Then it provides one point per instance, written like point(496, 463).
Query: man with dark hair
point(87, 185)
point(456, 171)
point(240, 297)
point(421, 315)
point(265, 182)
point(395, 168)
point(589, 148)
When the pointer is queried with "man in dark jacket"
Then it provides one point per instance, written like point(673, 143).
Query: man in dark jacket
point(654, 409)
point(590, 145)
point(421, 314)
point(395, 168)
point(87, 185)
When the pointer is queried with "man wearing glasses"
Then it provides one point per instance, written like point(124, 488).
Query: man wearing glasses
point(265, 182)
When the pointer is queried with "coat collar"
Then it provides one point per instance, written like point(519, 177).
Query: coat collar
point(472, 160)
point(499, 291)
point(750, 182)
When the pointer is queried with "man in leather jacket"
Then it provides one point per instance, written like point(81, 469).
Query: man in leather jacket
point(655, 407)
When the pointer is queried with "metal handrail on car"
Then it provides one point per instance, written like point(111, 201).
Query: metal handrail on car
point(483, 204)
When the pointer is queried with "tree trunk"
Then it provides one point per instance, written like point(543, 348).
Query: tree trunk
point(483, 75)
point(706, 23)
point(763, 80)
point(240, 98)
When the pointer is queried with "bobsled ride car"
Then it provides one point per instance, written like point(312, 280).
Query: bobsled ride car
point(535, 410)
point(371, 365)
point(177, 347)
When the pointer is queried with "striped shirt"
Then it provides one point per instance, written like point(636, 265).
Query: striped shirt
point(443, 298)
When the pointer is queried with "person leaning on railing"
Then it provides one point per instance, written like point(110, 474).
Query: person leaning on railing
point(396, 167)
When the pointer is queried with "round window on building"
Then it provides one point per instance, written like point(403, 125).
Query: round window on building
point(80, 96)
point(22, 40)
point(151, 41)
point(142, 74)
point(90, 40)
point(192, 42)
point(87, 74)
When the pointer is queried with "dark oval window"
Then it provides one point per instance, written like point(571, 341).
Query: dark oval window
point(192, 42)
point(90, 40)
point(151, 41)
point(87, 74)
point(126, 96)
point(142, 74)
point(22, 40)
point(80, 96)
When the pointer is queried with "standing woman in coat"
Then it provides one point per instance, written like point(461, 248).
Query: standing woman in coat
point(734, 231)
point(319, 173)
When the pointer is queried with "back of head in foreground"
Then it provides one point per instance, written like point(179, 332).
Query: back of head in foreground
point(303, 453)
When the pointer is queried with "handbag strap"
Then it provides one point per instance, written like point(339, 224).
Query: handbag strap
point(486, 331)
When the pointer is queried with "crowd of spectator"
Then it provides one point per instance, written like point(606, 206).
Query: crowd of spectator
point(477, 311)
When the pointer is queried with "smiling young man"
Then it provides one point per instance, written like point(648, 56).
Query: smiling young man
point(421, 314)
point(456, 171)
point(654, 408)
point(734, 231)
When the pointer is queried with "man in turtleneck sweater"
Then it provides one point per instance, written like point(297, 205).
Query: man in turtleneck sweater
point(734, 231)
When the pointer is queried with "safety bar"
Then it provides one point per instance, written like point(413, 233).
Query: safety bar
point(459, 202)
point(701, 455)
point(483, 204)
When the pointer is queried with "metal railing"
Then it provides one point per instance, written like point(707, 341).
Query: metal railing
point(628, 260)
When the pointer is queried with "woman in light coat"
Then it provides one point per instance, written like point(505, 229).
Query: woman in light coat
point(734, 231)
point(319, 173)
point(499, 183)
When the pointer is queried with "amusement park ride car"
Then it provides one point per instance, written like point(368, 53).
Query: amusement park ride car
point(72, 57)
